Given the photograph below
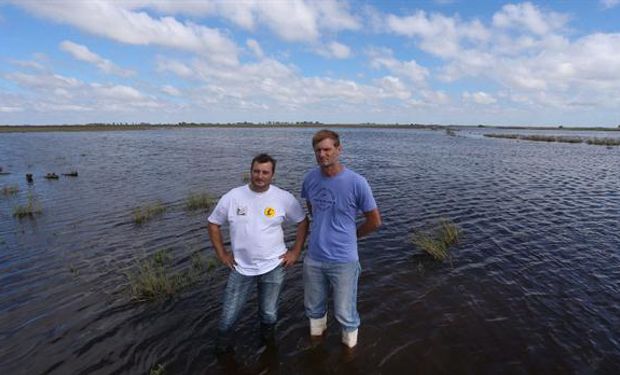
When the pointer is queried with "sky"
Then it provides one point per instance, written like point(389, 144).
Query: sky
point(544, 63)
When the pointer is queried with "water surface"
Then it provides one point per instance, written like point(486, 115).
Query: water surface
point(534, 284)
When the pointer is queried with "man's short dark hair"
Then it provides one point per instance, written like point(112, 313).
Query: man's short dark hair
point(264, 158)
point(324, 134)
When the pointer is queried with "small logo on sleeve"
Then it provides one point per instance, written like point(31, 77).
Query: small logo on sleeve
point(270, 212)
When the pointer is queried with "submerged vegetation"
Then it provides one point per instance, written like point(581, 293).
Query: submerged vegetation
point(10, 190)
point(199, 201)
point(147, 212)
point(437, 241)
point(153, 277)
point(30, 209)
point(558, 138)
point(159, 369)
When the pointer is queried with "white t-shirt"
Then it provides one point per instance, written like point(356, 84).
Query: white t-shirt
point(256, 234)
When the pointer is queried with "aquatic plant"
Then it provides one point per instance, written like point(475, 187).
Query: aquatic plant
point(449, 232)
point(74, 270)
point(147, 212)
point(212, 263)
point(152, 278)
point(437, 241)
point(198, 201)
point(159, 369)
point(10, 190)
point(161, 257)
point(198, 262)
point(603, 141)
point(559, 138)
point(31, 208)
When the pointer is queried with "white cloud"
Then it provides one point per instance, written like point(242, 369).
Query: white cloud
point(164, 64)
point(607, 4)
point(170, 90)
point(111, 20)
point(118, 92)
point(31, 64)
point(254, 46)
point(528, 17)
point(291, 20)
point(435, 97)
point(9, 109)
point(392, 87)
point(479, 97)
point(54, 92)
point(335, 50)
point(410, 70)
point(438, 34)
point(82, 53)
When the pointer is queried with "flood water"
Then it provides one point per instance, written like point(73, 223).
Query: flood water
point(533, 286)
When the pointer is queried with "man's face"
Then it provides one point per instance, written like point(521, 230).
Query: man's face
point(326, 153)
point(261, 176)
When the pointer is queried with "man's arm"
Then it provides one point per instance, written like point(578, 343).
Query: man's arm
point(226, 257)
point(371, 224)
point(290, 257)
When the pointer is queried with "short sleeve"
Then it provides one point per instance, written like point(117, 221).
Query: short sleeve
point(220, 213)
point(294, 212)
point(365, 200)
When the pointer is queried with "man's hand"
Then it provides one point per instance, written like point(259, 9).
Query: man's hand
point(227, 258)
point(289, 258)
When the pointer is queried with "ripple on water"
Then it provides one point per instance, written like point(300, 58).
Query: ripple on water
point(534, 284)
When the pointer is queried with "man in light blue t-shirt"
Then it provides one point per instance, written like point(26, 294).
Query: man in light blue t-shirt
point(335, 195)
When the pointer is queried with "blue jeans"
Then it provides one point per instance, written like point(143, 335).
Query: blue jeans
point(341, 278)
point(238, 289)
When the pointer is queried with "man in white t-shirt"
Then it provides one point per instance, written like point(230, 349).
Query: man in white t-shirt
point(259, 255)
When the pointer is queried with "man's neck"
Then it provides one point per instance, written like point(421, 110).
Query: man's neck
point(259, 190)
point(332, 170)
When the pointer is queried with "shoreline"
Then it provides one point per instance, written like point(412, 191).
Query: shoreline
point(138, 127)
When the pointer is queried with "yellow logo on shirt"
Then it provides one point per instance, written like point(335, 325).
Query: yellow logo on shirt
point(270, 212)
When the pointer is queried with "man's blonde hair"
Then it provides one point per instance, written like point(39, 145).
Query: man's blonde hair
point(324, 134)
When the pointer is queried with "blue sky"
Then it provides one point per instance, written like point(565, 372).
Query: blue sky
point(543, 63)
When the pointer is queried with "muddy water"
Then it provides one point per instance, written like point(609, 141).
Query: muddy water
point(534, 284)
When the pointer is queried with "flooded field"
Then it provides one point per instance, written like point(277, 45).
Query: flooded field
point(533, 286)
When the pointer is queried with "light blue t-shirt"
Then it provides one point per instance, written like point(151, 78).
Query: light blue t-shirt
point(335, 201)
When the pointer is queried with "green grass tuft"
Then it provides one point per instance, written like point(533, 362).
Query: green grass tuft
point(603, 141)
point(30, 209)
point(10, 190)
point(158, 369)
point(559, 138)
point(437, 242)
point(198, 201)
point(153, 279)
point(148, 212)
